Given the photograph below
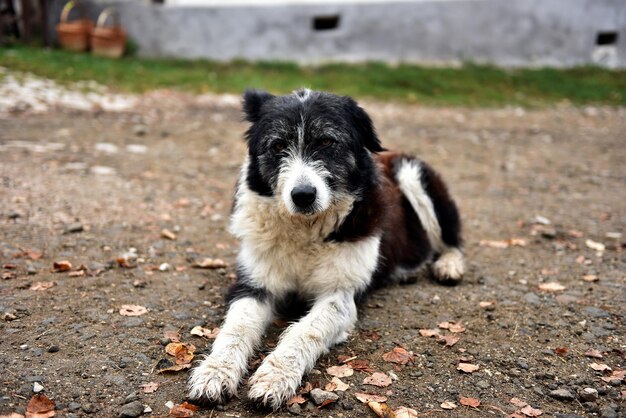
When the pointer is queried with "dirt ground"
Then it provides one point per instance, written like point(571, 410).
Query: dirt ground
point(91, 186)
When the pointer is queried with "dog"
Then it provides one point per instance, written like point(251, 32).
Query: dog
point(324, 214)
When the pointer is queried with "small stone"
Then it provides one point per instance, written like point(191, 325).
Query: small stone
point(37, 387)
point(295, 409)
point(319, 396)
point(165, 267)
point(549, 233)
point(73, 228)
point(133, 322)
point(89, 408)
point(131, 398)
point(608, 412)
point(522, 364)
point(562, 395)
point(597, 312)
point(588, 395)
point(483, 384)
point(347, 406)
point(73, 406)
point(133, 409)
point(53, 349)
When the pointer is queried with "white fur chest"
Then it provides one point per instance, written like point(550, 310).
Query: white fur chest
point(284, 253)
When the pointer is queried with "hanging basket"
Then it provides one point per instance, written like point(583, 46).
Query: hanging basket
point(73, 35)
point(108, 41)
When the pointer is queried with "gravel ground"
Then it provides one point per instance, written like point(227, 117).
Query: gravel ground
point(542, 198)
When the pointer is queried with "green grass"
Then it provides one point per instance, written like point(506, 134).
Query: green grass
point(470, 85)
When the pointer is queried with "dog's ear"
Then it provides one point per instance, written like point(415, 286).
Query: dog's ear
point(253, 102)
point(363, 126)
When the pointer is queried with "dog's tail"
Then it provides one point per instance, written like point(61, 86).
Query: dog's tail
point(429, 197)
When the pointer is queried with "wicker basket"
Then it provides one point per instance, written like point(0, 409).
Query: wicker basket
point(108, 41)
point(73, 35)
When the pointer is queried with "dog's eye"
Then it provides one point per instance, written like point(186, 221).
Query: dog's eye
point(278, 147)
point(326, 142)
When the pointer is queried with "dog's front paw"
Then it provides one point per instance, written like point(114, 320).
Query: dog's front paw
point(214, 380)
point(450, 267)
point(274, 383)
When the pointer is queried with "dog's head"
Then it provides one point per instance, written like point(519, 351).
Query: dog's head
point(308, 149)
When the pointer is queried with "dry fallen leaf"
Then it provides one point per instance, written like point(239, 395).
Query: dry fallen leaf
point(513, 242)
point(456, 328)
point(30, 254)
point(42, 285)
point(429, 333)
point(132, 310)
point(529, 411)
point(493, 244)
point(398, 355)
point(204, 332)
point(340, 371)
point(378, 379)
point(594, 353)
point(561, 351)
point(599, 367)
point(616, 376)
point(172, 335)
point(299, 399)
point(467, 367)
point(473, 402)
point(150, 387)
point(370, 335)
point(551, 287)
point(336, 385)
point(61, 266)
point(361, 365)
point(183, 352)
point(518, 402)
point(368, 397)
point(448, 340)
point(448, 405)
point(167, 234)
point(165, 366)
point(210, 263)
point(40, 406)
point(404, 412)
point(184, 410)
point(381, 410)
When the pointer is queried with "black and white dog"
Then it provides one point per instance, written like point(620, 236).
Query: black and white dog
point(324, 214)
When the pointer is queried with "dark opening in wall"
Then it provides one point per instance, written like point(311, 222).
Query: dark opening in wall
point(326, 22)
point(606, 38)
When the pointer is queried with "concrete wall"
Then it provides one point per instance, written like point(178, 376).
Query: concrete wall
point(503, 32)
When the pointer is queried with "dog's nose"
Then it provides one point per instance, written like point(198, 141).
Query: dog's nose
point(303, 196)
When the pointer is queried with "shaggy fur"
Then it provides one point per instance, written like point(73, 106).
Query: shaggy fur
point(324, 215)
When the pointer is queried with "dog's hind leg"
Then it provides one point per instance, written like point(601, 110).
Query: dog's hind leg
point(429, 197)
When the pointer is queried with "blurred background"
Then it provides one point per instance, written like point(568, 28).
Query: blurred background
point(360, 47)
